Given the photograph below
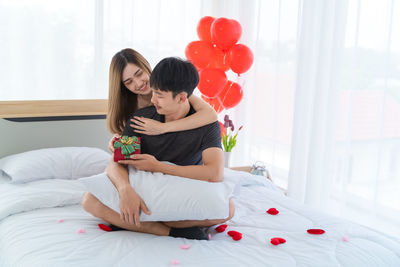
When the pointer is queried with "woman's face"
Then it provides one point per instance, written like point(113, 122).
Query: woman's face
point(136, 79)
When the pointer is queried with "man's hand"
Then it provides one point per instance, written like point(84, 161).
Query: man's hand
point(111, 143)
point(144, 162)
point(147, 126)
point(130, 205)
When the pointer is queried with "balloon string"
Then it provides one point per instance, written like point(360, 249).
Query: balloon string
point(219, 100)
point(227, 92)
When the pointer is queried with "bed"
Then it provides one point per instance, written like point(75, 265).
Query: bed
point(42, 222)
point(45, 225)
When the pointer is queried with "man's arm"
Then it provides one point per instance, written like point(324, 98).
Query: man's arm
point(118, 175)
point(212, 169)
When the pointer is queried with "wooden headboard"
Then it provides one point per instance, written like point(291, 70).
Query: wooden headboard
point(52, 108)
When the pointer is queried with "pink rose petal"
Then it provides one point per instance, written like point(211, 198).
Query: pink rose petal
point(81, 231)
point(60, 220)
point(175, 262)
point(185, 246)
point(345, 239)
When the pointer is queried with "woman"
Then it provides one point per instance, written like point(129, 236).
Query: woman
point(129, 90)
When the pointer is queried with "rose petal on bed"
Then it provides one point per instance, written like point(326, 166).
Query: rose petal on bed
point(185, 246)
point(315, 231)
point(104, 227)
point(60, 220)
point(277, 240)
point(281, 240)
point(232, 233)
point(221, 228)
point(237, 236)
point(81, 231)
point(175, 262)
point(345, 239)
point(272, 211)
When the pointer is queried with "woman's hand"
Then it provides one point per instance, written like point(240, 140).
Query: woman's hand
point(147, 126)
point(111, 143)
point(130, 205)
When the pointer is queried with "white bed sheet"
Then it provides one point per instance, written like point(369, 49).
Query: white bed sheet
point(33, 237)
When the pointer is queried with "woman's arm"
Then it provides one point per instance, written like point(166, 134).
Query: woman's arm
point(204, 115)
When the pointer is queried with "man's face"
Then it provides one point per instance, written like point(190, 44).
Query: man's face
point(164, 102)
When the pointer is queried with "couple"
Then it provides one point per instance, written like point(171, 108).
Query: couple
point(197, 152)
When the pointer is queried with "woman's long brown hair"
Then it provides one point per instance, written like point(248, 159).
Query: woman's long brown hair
point(122, 102)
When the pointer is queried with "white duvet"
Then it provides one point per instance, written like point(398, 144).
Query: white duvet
point(30, 234)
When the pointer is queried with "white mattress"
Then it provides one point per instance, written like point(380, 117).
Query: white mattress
point(31, 236)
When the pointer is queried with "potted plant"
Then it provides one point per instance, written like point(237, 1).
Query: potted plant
point(229, 138)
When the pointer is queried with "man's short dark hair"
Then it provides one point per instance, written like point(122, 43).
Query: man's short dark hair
point(174, 75)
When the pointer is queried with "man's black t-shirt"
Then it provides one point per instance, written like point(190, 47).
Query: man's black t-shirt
point(181, 148)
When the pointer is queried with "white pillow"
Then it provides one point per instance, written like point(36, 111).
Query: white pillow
point(169, 198)
point(4, 178)
point(54, 163)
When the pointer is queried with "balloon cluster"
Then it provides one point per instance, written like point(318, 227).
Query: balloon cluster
point(214, 54)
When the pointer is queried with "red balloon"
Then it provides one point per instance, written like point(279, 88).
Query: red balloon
point(220, 60)
point(240, 58)
point(215, 103)
point(204, 28)
point(200, 53)
point(231, 95)
point(212, 81)
point(225, 33)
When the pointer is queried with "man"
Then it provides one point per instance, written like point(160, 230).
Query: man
point(196, 152)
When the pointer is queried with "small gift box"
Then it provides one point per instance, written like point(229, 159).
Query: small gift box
point(125, 146)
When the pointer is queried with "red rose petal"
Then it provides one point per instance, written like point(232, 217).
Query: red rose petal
point(277, 240)
point(104, 227)
point(272, 211)
point(221, 228)
point(315, 231)
point(237, 236)
point(281, 240)
point(232, 233)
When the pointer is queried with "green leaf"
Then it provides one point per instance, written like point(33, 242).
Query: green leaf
point(224, 142)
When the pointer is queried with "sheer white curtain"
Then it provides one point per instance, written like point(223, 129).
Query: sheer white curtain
point(345, 153)
point(62, 49)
